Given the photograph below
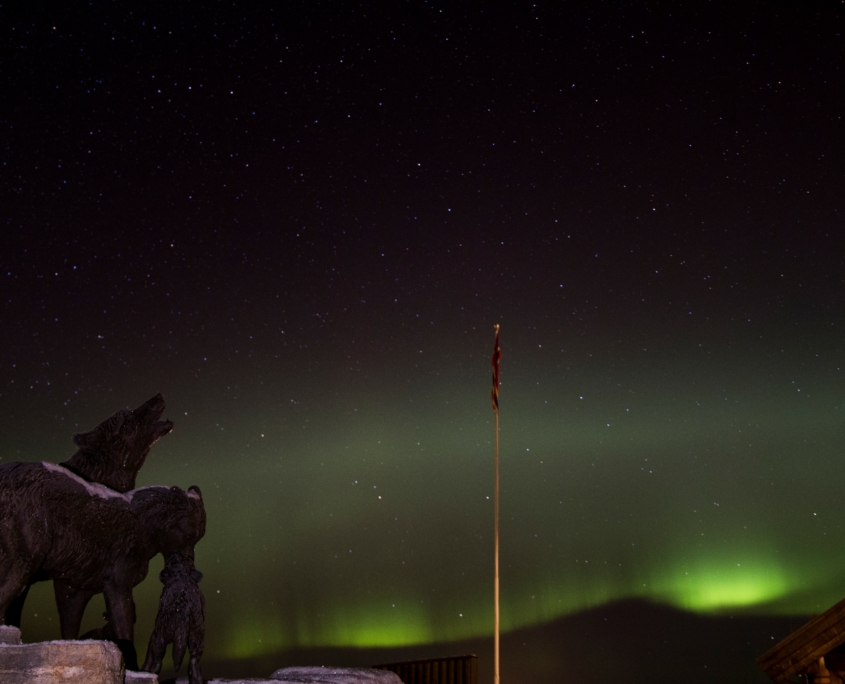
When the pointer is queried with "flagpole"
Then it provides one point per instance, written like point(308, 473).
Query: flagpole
point(496, 562)
point(494, 395)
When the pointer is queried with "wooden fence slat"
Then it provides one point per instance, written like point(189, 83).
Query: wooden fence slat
point(450, 670)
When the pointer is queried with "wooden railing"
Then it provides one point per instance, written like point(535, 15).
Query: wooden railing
point(453, 670)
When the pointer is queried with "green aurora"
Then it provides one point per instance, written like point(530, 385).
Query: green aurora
point(359, 513)
point(299, 222)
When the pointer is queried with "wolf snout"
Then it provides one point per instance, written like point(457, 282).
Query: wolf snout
point(152, 409)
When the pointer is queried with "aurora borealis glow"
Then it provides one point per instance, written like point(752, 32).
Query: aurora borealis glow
point(301, 225)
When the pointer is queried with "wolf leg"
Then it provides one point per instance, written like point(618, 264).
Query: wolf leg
point(14, 585)
point(121, 610)
point(155, 653)
point(71, 603)
point(15, 609)
point(196, 645)
point(194, 673)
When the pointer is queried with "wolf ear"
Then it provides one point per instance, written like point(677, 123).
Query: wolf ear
point(112, 424)
point(86, 439)
point(109, 427)
point(194, 492)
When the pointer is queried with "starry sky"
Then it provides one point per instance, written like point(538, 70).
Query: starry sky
point(300, 225)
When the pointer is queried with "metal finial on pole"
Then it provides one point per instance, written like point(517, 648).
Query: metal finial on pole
point(494, 395)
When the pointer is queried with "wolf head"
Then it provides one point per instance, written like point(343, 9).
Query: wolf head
point(175, 519)
point(114, 451)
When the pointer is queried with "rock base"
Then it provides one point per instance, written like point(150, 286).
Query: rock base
point(58, 662)
point(10, 635)
point(333, 675)
point(315, 675)
point(100, 662)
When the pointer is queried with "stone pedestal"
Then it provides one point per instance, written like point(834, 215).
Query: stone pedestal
point(9, 635)
point(100, 662)
point(312, 675)
point(334, 675)
point(315, 675)
point(58, 662)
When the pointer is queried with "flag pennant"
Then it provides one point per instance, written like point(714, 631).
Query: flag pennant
point(497, 355)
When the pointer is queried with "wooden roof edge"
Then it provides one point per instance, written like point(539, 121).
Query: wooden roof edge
point(785, 668)
point(811, 631)
point(822, 642)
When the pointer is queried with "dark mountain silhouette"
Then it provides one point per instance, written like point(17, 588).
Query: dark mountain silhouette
point(629, 641)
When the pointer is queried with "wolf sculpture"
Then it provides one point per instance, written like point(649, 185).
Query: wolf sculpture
point(114, 451)
point(111, 454)
point(88, 539)
point(180, 619)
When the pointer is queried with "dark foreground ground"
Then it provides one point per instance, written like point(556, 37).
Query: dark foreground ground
point(631, 642)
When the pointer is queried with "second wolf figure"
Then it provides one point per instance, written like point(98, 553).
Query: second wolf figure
point(180, 619)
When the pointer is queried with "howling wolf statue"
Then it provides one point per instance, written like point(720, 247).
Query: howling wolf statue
point(83, 525)
point(114, 451)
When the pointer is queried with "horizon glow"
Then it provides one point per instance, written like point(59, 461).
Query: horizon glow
point(371, 526)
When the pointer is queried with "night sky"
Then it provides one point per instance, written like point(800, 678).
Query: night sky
point(300, 225)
